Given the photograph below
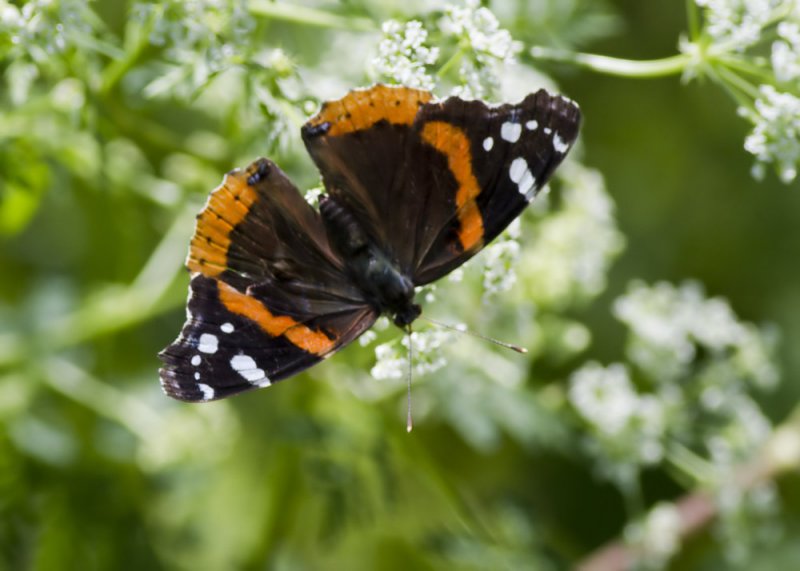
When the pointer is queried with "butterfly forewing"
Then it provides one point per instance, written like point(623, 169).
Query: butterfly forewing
point(497, 160)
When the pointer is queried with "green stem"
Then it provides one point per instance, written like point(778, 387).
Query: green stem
point(73, 382)
point(633, 498)
point(738, 82)
point(693, 20)
point(738, 64)
point(672, 65)
point(741, 99)
point(454, 59)
point(309, 16)
point(696, 468)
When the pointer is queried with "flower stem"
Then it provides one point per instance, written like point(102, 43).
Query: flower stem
point(448, 65)
point(693, 19)
point(672, 65)
point(693, 468)
point(309, 16)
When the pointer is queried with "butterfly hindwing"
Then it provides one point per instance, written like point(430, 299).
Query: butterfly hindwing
point(235, 341)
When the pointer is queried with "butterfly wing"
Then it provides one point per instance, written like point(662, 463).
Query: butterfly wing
point(497, 159)
point(433, 182)
point(234, 341)
point(360, 145)
point(268, 296)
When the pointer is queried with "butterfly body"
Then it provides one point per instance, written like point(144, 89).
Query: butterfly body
point(414, 188)
point(383, 284)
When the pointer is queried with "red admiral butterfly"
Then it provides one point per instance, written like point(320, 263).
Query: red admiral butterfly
point(415, 187)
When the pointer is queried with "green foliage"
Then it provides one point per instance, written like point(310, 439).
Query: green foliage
point(116, 119)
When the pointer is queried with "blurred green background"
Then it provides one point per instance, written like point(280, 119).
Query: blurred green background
point(114, 127)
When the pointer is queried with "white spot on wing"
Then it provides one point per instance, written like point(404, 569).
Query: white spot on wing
point(547, 130)
point(519, 173)
point(208, 343)
point(208, 392)
point(532, 125)
point(227, 327)
point(488, 143)
point(517, 170)
point(559, 144)
point(196, 360)
point(526, 184)
point(510, 131)
point(197, 376)
point(246, 366)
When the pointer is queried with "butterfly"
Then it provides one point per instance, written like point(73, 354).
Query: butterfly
point(414, 187)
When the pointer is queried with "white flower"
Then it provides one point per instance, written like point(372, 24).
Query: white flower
point(657, 538)
point(604, 397)
point(392, 358)
point(668, 321)
point(786, 52)
point(203, 33)
point(479, 27)
point(738, 23)
point(388, 362)
point(499, 259)
point(571, 248)
point(367, 338)
point(776, 135)
point(403, 55)
point(485, 44)
point(312, 195)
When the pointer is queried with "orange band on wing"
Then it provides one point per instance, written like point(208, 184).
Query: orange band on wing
point(227, 206)
point(453, 142)
point(361, 109)
point(307, 339)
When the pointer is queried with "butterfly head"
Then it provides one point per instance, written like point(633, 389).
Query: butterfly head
point(406, 315)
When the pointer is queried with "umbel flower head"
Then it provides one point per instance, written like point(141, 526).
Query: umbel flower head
point(776, 135)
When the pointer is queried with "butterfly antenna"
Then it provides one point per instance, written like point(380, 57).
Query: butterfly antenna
point(409, 422)
point(511, 346)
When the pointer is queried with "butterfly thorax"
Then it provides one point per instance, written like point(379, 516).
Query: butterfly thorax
point(383, 284)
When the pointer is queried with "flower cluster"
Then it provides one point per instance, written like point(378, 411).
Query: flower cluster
point(392, 360)
point(695, 364)
point(499, 259)
point(43, 27)
point(776, 135)
point(481, 48)
point(628, 428)
point(786, 52)
point(573, 246)
point(36, 36)
point(484, 43)
point(403, 56)
point(669, 325)
point(767, 90)
point(656, 537)
point(203, 37)
point(738, 23)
